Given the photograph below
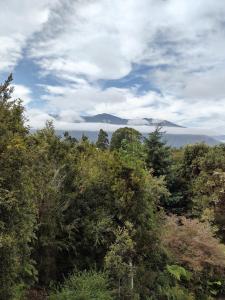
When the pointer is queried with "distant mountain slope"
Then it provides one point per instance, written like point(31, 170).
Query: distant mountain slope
point(220, 138)
point(175, 135)
point(174, 140)
point(179, 140)
point(110, 119)
point(105, 118)
point(162, 123)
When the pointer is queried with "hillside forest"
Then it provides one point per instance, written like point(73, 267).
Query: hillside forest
point(125, 219)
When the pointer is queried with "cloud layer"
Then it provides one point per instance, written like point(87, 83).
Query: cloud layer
point(90, 46)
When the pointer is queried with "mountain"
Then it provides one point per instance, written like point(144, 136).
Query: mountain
point(175, 135)
point(180, 140)
point(153, 122)
point(221, 138)
point(174, 140)
point(110, 119)
point(105, 118)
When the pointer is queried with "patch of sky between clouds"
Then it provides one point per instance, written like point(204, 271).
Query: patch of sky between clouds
point(28, 73)
point(139, 78)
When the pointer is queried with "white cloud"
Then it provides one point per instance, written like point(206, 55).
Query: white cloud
point(82, 97)
point(133, 122)
point(38, 121)
point(70, 116)
point(19, 21)
point(82, 41)
point(78, 99)
point(102, 38)
point(37, 118)
point(22, 92)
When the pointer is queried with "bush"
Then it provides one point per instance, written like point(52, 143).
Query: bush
point(84, 286)
point(192, 244)
point(178, 293)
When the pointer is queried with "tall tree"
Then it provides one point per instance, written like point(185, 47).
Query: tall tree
point(103, 141)
point(17, 211)
point(158, 156)
point(46, 172)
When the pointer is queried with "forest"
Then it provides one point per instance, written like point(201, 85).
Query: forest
point(127, 219)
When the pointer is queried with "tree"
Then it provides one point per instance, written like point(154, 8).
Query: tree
point(158, 157)
point(193, 245)
point(104, 195)
point(67, 206)
point(17, 210)
point(119, 260)
point(46, 170)
point(69, 138)
point(103, 141)
point(202, 174)
point(186, 168)
point(124, 134)
point(208, 192)
point(84, 137)
point(192, 158)
point(52, 169)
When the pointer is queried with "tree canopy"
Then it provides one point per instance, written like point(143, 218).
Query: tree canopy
point(83, 220)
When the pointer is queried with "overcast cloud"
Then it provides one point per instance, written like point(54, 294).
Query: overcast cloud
point(132, 58)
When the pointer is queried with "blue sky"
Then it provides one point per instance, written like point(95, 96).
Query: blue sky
point(162, 59)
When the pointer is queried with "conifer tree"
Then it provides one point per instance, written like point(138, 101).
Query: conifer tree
point(84, 138)
point(158, 155)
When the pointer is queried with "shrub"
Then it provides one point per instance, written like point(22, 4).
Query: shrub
point(192, 244)
point(84, 286)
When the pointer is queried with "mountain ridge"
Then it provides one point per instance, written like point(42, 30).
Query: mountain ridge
point(111, 119)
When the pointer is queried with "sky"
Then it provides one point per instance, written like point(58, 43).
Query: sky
point(162, 59)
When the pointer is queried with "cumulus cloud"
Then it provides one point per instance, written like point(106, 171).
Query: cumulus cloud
point(37, 118)
point(19, 21)
point(101, 38)
point(22, 92)
point(82, 97)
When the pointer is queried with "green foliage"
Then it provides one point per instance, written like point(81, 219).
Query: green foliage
point(193, 155)
point(133, 153)
point(175, 290)
point(103, 141)
point(84, 286)
point(124, 134)
point(69, 206)
point(119, 260)
point(193, 245)
point(17, 211)
point(158, 156)
point(109, 193)
point(46, 170)
point(214, 287)
point(177, 293)
point(178, 272)
point(189, 170)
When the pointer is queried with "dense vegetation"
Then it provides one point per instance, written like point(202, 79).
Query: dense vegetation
point(126, 219)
